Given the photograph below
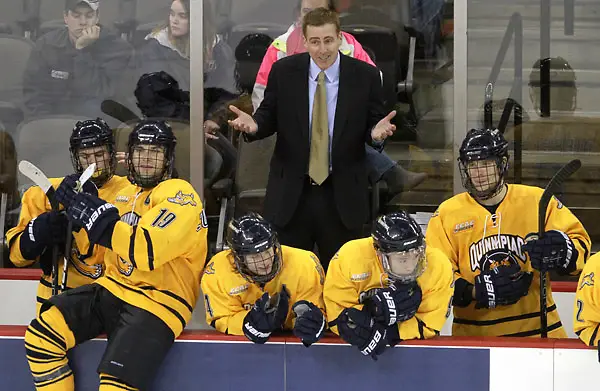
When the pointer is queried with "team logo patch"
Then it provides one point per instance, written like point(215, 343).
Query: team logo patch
point(461, 227)
point(360, 277)
point(587, 280)
point(59, 74)
point(182, 199)
point(238, 289)
point(495, 243)
point(496, 258)
point(559, 205)
point(210, 269)
point(122, 198)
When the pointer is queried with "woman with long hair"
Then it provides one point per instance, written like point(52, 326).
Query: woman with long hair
point(167, 47)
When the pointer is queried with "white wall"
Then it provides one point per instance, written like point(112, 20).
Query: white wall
point(18, 307)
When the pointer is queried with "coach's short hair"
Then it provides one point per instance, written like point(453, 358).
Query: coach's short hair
point(320, 17)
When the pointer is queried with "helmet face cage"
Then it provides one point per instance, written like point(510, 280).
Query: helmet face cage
point(254, 247)
point(488, 179)
point(259, 266)
point(404, 266)
point(159, 160)
point(85, 141)
point(483, 162)
point(400, 246)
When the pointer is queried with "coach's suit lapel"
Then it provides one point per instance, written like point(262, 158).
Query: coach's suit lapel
point(344, 92)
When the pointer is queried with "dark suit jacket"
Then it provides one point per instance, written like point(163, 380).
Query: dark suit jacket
point(285, 111)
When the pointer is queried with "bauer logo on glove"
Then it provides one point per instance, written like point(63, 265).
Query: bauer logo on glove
point(555, 250)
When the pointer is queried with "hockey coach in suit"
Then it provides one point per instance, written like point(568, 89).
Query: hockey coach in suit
point(323, 106)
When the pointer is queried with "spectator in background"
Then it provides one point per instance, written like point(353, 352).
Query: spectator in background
point(168, 46)
point(380, 165)
point(71, 70)
point(168, 49)
point(427, 16)
point(292, 42)
point(219, 64)
point(159, 96)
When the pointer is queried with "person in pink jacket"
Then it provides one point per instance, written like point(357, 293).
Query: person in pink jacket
point(381, 166)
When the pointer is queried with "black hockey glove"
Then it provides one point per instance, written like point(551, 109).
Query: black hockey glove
point(554, 251)
point(45, 230)
point(267, 315)
point(310, 322)
point(359, 329)
point(65, 194)
point(95, 215)
point(502, 285)
point(397, 303)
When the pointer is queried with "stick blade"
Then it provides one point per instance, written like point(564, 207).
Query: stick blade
point(35, 174)
point(87, 174)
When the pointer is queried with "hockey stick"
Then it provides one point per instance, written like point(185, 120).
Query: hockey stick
point(557, 180)
point(118, 111)
point(37, 176)
point(83, 178)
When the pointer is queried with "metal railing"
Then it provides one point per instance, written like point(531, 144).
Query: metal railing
point(513, 103)
point(514, 30)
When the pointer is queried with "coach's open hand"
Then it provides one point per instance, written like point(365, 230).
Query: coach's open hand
point(384, 128)
point(244, 122)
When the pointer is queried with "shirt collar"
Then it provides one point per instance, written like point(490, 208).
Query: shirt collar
point(331, 74)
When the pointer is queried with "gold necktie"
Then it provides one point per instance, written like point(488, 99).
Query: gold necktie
point(318, 168)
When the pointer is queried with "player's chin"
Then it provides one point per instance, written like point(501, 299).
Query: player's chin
point(482, 188)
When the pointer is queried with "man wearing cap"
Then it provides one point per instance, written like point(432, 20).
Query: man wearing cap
point(72, 69)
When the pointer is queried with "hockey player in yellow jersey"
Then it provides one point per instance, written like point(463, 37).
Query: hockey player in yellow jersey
point(91, 142)
point(490, 235)
point(389, 287)
point(586, 312)
point(154, 257)
point(259, 286)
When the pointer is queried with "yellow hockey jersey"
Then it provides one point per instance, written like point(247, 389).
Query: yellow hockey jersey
point(465, 231)
point(586, 312)
point(229, 297)
point(356, 269)
point(158, 250)
point(85, 266)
